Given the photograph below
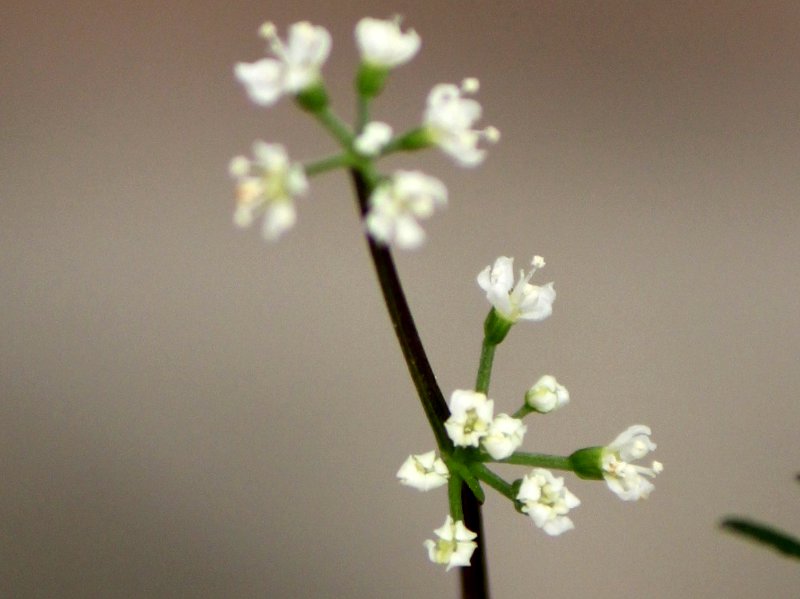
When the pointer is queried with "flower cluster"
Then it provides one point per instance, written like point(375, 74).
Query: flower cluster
point(479, 436)
point(397, 203)
point(393, 206)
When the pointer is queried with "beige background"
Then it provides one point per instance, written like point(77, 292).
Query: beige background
point(189, 412)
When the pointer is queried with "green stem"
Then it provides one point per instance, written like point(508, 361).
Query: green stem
point(485, 366)
point(335, 126)
point(327, 164)
point(433, 403)
point(539, 460)
point(474, 580)
point(454, 497)
point(491, 479)
point(362, 113)
point(523, 411)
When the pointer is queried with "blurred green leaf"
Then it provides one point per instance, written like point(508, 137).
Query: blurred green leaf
point(762, 533)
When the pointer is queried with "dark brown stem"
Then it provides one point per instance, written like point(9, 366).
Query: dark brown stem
point(474, 580)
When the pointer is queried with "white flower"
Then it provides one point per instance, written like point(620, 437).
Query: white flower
point(395, 206)
point(295, 67)
point(267, 185)
point(623, 478)
point(383, 45)
point(547, 395)
point(423, 472)
point(521, 301)
point(373, 138)
point(470, 417)
point(547, 501)
point(454, 546)
point(448, 122)
point(505, 434)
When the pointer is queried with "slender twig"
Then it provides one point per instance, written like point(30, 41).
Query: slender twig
point(473, 579)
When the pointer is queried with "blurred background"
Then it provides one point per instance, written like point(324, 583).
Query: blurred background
point(188, 411)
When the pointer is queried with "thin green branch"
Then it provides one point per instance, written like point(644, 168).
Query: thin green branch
point(335, 126)
point(492, 479)
point(474, 580)
point(419, 367)
point(454, 497)
point(362, 112)
point(485, 366)
point(539, 460)
point(327, 164)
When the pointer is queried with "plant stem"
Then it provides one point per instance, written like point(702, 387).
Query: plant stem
point(474, 580)
point(540, 460)
point(485, 366)
point(326, 164)
point(335, 126)
point(420, 369)
point(491, 479)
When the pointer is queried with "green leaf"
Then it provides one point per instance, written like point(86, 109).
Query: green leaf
point(762, 533)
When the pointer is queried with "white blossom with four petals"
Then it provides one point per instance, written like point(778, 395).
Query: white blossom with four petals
point(423, 472)
point(516, 301)
point(267, 184)
point(471, 415)
point(630, 481)
point(449, 118)
point(505, 434)
point(295, 68)
point(397, 204)
point(547, 501)
point(547, 395)
point(454, 546)
point(383, 45)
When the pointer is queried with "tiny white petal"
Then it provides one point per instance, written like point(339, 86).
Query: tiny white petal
point(262, 79)
point(279, 218)
point(373, 138)
point(383, 44)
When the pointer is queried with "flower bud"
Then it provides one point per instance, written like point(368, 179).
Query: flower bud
point(547, 395)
